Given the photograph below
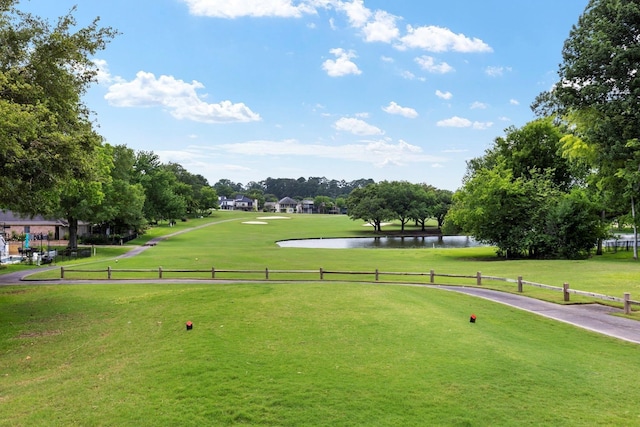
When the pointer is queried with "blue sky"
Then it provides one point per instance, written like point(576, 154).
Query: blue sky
point(346, 89)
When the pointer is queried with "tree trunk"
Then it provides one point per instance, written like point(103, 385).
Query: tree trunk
point(635, 228)
point(73, 233)
point(599, 249)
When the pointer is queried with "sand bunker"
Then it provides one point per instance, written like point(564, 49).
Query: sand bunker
point(255, 222)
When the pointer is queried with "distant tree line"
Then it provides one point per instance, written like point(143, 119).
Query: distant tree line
point(274, 189)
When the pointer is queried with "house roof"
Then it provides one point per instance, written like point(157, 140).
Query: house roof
point(11, 218)
point(288, 201)
point(243, 198)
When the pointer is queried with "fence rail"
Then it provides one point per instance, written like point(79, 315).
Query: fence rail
point(321, 273)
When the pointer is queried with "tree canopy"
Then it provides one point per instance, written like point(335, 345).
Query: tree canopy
point(395, 200)
point(597, 95)
point(514, 198)
point(46, 135)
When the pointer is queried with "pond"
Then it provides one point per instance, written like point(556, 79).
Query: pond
point(392, 242)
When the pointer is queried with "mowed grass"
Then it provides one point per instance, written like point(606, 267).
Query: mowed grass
point(229, 243)
point(333, 354)
point(291, 354)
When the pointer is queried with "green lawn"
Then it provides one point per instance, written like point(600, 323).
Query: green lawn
point(229, 243)
point(291, 354)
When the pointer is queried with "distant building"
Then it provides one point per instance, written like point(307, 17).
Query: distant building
point(15, 225)
point(287, 205)
point(306, 206)
point(238, 203)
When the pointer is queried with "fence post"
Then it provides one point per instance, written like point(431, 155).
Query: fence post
point(160, 272)
point(321, 274)
point(62, 272)
point(377, 274)
point(627, 303)
point(432, 276)
point(109, 272)
point(565, 291)
point(266, 273)
point(520, 284)
point(479, 278)
point(213, 272)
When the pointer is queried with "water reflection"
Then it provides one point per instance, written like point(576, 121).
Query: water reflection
point(413, 242)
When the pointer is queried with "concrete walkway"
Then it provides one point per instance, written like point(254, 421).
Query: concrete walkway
point(593, 317)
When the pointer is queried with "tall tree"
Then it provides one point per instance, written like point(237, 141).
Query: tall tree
point(81, 199)
point(163, 191)
point(402, 199)
point(368, 204)
point(524, 207)
point(443, 201)
point(122, 208)
point(425, 204)
point(599, 84)
point(44, 71)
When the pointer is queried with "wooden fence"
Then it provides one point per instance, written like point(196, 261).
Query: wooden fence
point(376, 275)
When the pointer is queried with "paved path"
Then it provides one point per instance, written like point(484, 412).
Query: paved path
point(594, 317)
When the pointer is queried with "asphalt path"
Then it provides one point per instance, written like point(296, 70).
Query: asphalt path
point(593, 317)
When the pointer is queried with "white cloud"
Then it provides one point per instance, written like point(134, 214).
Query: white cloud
point(178, 97)
point(482, 125)
point(460, 122)
point(356, 11)
point(444, 95)
point(479, 106)
point(514, 102)
point(378, 26)
point(342, 65)
point(407, 75)
point(439, 39)
point(253, 8)
point(455, 122)
point(356, 127)
point(429, 64)
point(103, 75)
point(496, 71)
point(378, 153)
point(382, 29)
point(394, 108)
point(387, 59)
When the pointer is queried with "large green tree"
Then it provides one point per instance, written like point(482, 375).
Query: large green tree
point(514, 198)
point(122, 207)
point(403, 200)
point(368, 204)
point(44, 71)
point(598, 93)
point(164, 193)
point(443, 201)
point(81, 199)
